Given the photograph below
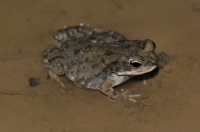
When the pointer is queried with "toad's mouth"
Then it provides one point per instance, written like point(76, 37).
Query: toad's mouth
point(138, 72)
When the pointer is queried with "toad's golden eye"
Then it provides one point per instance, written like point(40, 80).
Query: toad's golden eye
point(135, 64)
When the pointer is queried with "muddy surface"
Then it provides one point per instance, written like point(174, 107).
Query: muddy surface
point(170, 98)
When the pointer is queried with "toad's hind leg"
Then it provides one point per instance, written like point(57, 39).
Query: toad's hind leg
point(107, 88)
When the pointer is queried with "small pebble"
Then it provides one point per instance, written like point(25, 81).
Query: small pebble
point(33, 81)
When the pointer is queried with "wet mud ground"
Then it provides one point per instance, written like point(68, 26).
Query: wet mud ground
point(170, 97)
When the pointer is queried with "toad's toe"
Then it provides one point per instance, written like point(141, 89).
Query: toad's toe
point(125, 96)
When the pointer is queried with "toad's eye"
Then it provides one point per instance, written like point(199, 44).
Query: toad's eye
point(136, 64)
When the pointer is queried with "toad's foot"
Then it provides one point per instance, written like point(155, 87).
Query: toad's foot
point(125, 96)
point(110, 92)
point(55, 77)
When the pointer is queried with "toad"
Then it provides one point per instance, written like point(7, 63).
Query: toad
point(97, 60)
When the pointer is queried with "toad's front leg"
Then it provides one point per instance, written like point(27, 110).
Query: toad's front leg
point(107, 88)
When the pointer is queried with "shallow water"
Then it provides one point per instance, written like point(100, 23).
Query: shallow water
point(170, 99)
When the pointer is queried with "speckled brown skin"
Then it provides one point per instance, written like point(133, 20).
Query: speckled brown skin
point(74, 31)
point(100, 61)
